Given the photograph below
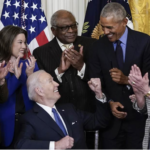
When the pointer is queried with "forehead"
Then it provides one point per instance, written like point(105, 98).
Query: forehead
point(20, 36)
point(65, 19)
point(107, 21)
point(44, 77)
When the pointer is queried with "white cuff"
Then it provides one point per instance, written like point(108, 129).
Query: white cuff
point(58, 75)
point(51, 145)
point(103, 99)
point(82, 72)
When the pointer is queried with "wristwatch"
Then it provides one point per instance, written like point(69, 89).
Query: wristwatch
point(103, 99)
point(147, 94)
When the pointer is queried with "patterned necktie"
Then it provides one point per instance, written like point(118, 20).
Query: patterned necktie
point(119, 55)
point(58, 121)
point(66, 46)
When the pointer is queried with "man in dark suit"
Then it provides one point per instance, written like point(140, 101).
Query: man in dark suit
point(47, 126)
point(65, 57)
point(111, 59)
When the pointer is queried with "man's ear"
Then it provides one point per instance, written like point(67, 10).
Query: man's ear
point(39, 91)
point(125, 21)
point(53, 30)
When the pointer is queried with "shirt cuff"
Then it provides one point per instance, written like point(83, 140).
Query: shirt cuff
point(58, 75)
point(103, 99)
point(51, 145)
point(82, 72)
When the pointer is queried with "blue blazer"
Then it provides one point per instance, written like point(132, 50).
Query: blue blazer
point(7, 109)
point(38, 128)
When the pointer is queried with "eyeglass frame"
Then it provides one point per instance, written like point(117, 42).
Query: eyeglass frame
point(67, 27)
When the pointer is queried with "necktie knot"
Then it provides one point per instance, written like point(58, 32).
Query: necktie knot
point(118, 42)
point(66, 46)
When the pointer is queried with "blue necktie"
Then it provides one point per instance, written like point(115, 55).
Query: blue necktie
point(119, 55)
point(58, 121)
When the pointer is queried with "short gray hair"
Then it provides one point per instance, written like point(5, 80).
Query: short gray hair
point(32, 83)
point(114, 9)
point(56, 15)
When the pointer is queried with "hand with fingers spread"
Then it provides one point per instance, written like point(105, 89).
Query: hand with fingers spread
point(64, 64)
point(65, 143)
point(118, 76)
point(30, 65)
point(137, 81)
point(114, 108)
point(139, 84)
point(3, 72)
point(75, 58)
point(95, 86)
point(17, 68)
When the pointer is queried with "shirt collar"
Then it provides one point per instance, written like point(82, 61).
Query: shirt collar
point(123, 38)
point(61, 44)
point(46, 108)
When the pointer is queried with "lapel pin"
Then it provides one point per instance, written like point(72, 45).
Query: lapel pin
point(63, 110)
point(79, 45)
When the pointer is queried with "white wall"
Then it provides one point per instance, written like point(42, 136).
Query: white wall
point(77, 7)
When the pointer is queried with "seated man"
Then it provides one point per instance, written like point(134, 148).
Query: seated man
point(47, 126)
point(141, 99)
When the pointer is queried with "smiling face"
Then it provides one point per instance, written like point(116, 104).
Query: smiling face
point(63, 20)
point(113, 29)
point(49, 87)
point(19, 46)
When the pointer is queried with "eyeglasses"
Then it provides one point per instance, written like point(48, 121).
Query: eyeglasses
point(66, 28)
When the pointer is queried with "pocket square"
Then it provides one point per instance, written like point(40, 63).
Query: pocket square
point(74, 122)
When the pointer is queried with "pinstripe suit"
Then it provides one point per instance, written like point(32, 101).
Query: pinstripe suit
point(72, 89)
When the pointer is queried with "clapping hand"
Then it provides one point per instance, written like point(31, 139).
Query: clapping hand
point(75, 57)
point(30, 65)
point(17, 68)
point(3, 72)
point(64, 64)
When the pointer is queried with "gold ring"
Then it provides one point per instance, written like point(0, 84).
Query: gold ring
point(133, 82)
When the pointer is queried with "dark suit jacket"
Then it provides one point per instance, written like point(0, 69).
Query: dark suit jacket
point(39, 128)
point(103, 59)
point(73, 89)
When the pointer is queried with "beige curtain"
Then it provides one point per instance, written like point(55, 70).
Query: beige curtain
point(140, 10)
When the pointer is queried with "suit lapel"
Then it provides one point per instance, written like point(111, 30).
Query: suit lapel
point(64, 115)
point(130, 52)
point(110, 53)
point(45, 117)
point(57, 52)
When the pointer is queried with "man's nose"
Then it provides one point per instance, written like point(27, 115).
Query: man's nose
point(70, 29)
point(106, 31)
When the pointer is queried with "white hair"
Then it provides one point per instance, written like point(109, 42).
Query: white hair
point(114, 9)
point(32, 83)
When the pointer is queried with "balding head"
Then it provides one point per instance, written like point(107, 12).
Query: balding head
point(60, 14)
point(33, 82)
point(42, 88)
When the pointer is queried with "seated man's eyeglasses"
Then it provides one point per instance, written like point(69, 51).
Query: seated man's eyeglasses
point(66, 28)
